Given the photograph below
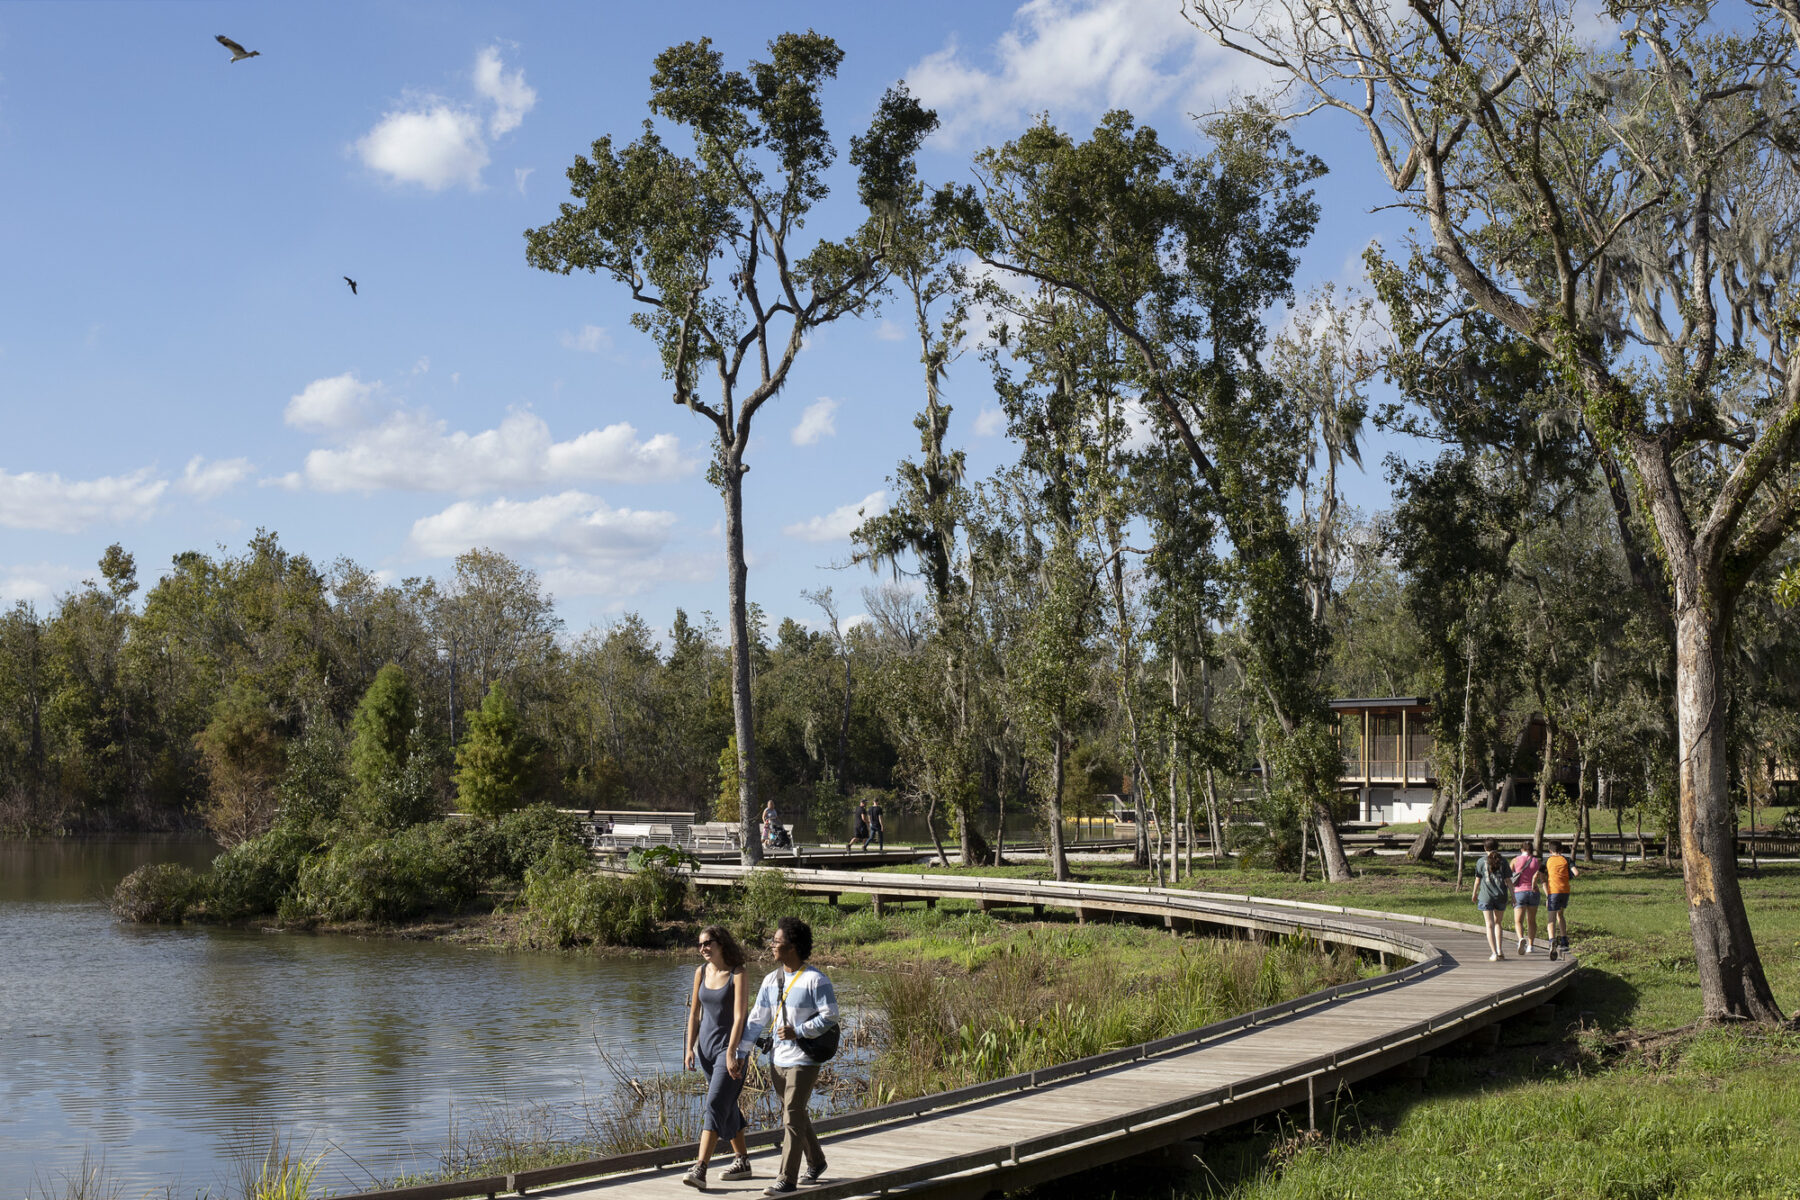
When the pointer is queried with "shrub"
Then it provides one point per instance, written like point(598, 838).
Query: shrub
point(758, 902)
point(415, 871)
point(532, 833)
point(253, 877)
point(565, 907)
point(157, 893)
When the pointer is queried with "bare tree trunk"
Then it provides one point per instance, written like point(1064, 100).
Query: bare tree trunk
point(1332, 859)
point(1187, 798)
point(1543, 797)
point(1303, 852)
point(931, 827)
point(843, 747)
point(1624, 852)
point(1059, 862)
point(743, 719)
point(1424, 846)
point(1215, 828)
point(1732, 984)
point(1503, 800)
point(1581, 799)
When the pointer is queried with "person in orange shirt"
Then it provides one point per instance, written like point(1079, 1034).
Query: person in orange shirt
point(1559, 868)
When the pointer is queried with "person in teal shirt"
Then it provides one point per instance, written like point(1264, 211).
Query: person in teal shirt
point(1493, 883)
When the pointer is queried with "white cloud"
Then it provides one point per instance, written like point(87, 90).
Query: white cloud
point(888, 331)
point(819, 420)
point(591, 340)
point(435, 146)
point(990, 422)
point(204, 480)
point(1075, 59)
point(520, 175)
point(835, 526)
point(413, 451)
point(439, 143)
point(325, 405)
point(573, 579)
point(38, 584)
point(33, 500)
point(569, 523)
point(509, 94)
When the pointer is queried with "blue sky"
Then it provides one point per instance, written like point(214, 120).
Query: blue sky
point(182, 363)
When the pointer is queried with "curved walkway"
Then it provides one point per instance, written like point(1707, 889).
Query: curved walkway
point(1030, 1128)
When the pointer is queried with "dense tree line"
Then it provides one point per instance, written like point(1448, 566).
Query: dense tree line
point(241, 684)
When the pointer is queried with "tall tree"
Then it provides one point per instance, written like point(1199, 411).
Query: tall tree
point(1181, 256)
point(661, 223)
point(1633, 216)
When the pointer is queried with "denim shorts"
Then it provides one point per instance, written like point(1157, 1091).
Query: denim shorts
point(1525, 899)
point(1497, 904)
point(1556, 901)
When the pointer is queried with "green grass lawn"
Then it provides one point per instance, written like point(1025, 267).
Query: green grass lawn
point(1614, 1096)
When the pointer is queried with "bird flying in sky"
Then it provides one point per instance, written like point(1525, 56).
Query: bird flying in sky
point(352, 284)
point(237, 51)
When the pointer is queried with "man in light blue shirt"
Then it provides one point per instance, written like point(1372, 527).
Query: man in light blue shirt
point(795, 1001)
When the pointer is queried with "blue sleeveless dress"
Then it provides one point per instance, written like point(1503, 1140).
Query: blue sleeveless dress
point(723, 1116)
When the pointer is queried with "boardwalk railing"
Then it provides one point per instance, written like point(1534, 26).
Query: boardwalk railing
point(1034, 1159)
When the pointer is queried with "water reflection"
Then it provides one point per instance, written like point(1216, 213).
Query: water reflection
point(167, 1048)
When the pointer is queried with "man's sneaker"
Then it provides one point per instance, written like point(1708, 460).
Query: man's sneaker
point(812, 1176)
point(1553, 954)
point(780, 1187)
point(696, 1177)
point(739, 1169)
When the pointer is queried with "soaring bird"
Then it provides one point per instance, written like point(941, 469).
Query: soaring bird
point(237, 51)
point(352, 284)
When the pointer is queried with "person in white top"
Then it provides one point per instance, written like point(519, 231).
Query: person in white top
point(796, 1001)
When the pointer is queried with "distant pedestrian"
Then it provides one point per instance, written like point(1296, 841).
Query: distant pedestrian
point(1559, 868)
point(796, 1001)
point(1493, 879)
point(876, 828)
point(715, 1042)
point(1527, 870)
point(861, 829)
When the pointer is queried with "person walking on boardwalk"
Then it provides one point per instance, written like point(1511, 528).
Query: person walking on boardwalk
point(1559, 868)
point(1493, 879)
point(875, 827)
point(861, 829)
point(715, 1042)
point(1527, 870)
point(796, 1004)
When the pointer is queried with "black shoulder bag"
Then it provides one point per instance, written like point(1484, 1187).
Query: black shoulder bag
point(820, 1049)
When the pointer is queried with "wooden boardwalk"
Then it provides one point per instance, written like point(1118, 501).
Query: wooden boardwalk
point(1032, 1128)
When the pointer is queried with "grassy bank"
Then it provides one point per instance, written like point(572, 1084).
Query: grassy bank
point(1618, 1095)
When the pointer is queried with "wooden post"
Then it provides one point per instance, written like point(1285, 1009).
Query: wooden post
point(878, 903)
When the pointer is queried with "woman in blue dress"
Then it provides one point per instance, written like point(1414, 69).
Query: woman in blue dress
point(715, 1026)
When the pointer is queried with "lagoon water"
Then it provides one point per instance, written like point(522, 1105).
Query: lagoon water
point(170, 1052)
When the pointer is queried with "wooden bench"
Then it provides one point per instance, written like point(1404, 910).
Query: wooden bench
point(715, 835)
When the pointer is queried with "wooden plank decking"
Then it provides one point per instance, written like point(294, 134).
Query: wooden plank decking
point(1033, 1128)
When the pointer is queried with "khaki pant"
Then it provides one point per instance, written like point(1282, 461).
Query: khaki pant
point(797, 1137)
